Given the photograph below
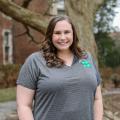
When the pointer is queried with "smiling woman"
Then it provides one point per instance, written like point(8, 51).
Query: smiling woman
point(61, 79)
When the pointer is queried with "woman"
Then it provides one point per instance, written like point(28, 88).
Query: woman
point(61, 79)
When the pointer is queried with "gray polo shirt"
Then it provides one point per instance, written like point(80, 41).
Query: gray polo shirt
point(65, 93)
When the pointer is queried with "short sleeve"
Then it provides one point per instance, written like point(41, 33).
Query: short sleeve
point(96, 69)
point(28, 74)
point(97, 73)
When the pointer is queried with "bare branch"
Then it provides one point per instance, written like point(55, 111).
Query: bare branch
point(20, 34)
point(48, 9)
point(50, 3)
point(27, 17)
point(30, 35)
point(25, 5)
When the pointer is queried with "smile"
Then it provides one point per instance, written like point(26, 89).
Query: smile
point(62, 43)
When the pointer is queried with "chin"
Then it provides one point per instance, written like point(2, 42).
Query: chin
point(63, 49)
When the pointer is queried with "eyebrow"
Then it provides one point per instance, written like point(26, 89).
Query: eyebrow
point(60, 30)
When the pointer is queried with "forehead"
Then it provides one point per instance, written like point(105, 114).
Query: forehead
point(61, 25)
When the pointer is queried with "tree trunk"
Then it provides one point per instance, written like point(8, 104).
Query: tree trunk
point(82, 14)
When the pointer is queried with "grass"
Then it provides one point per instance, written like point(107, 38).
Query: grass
point(7, 94)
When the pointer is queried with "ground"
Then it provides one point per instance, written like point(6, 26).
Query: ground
point(111, 100)
point(6, 109)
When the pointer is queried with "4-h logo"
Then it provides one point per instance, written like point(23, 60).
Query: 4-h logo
point(85, 63)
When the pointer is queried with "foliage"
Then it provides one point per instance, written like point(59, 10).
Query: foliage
point(115, 79)
point(104, 44)
point(7, 94)
point(113, 58)
point(108, 54)
point(104, 16)
point(8, 75)
point(108, 74)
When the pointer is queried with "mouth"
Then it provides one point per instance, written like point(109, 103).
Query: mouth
point(63, 43)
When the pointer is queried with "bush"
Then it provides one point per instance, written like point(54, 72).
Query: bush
point(8, 75)
point(110, 76)
point(115, 79)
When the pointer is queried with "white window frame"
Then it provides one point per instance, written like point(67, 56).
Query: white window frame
point(57, 5)
point(60, 6)
point(10, 45)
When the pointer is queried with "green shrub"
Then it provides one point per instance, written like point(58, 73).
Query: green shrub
point(7, 94)
point(115, 79)
point(8, 75)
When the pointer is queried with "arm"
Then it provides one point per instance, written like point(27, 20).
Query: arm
point(98, 105)
point(24, 103)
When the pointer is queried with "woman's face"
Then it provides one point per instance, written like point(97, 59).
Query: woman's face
point(62, 37)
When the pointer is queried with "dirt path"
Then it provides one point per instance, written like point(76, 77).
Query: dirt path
point(7, 108)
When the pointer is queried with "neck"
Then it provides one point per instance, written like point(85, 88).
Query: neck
point(64, 54)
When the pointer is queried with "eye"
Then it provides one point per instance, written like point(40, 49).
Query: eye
point(57, 32)
point(67, 31)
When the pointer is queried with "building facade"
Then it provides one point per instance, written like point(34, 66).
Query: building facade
point(15, 44)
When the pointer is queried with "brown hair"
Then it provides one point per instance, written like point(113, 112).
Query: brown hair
point(50, 52)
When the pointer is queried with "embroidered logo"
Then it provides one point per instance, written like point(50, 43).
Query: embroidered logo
point(85, 63)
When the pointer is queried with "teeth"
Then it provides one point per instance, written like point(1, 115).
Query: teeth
point(62, 43)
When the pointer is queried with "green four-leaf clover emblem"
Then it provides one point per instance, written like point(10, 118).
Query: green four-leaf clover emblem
point(85, 63)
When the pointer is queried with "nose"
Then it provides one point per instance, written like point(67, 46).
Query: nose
point(62, 36)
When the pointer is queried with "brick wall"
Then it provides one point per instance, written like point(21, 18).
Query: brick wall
point(22, 45)
point(5, 23)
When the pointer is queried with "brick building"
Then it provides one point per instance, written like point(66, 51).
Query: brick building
point(15, 45)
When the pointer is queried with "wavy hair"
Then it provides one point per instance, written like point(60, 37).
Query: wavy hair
point(48, 49)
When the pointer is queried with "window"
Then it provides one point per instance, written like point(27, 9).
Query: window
point(57, 7)
point(60, 7)
point(7, 47)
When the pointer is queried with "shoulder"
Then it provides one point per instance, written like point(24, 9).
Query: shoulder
point(35, 54)
point(86, 54)
point(35, 57)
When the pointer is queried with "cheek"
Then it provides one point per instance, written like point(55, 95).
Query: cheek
point(71, 38)
point(54, 38)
